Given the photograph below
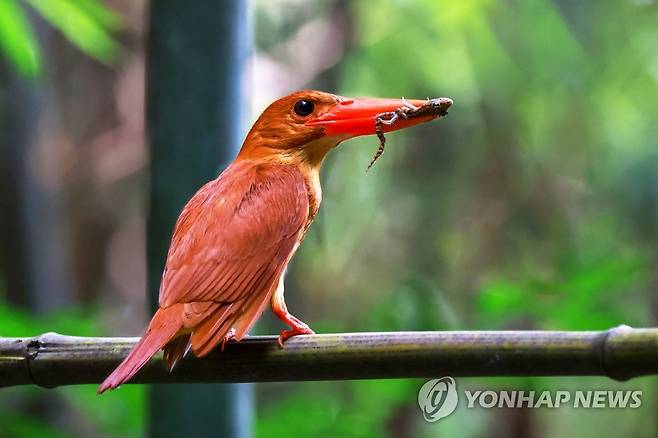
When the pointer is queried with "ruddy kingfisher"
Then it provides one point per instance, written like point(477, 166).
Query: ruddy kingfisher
point(234, 238)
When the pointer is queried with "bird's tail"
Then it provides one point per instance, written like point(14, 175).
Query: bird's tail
point(164, 326)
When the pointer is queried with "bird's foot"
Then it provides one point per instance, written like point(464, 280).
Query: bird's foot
point(227, 337)
point(298, 328)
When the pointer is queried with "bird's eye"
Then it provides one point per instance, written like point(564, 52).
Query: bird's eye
point(304, 107)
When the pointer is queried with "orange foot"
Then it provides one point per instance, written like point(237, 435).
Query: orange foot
point(297, 328)
point(227, 337)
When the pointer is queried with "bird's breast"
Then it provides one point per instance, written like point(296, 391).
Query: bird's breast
point(314, 191)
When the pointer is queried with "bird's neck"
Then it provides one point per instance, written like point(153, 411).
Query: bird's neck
point(307, 158)
point(314, 190)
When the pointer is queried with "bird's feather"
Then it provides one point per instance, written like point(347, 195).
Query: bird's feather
point(230, 246)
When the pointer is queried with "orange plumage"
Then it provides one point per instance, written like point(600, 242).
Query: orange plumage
point(235, 237)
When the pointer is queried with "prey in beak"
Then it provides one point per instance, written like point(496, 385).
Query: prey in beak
point(434, 108)
point(355, 117)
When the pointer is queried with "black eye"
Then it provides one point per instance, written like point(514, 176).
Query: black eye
point(304, 107)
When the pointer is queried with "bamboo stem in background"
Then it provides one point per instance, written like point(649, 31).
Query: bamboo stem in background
point(196, 57)
point(620, 353)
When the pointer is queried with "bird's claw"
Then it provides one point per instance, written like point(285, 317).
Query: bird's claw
point(227, 337)
point(298, 330)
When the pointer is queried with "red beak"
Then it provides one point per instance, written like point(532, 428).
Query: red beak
point(354, 117)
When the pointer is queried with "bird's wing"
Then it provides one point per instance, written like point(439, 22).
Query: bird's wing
point(234, 238)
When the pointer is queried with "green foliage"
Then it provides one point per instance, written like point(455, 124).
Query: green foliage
point(85, 23)
point(74, 321)
point(346, 409)
point(117, 414)
point(17, 39)
point(578, 298)
point(17, 425)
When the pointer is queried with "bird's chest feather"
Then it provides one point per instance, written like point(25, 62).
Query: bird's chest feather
point(314, 192)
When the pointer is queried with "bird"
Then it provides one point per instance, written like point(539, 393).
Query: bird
point(235, 237)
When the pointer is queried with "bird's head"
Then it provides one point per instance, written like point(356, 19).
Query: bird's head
point(305, 125)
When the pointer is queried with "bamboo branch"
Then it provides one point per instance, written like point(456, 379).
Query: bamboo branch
point(620, 353)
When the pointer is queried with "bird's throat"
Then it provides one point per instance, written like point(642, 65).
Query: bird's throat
point(314, 191)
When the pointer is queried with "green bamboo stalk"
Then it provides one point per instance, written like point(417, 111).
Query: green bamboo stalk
point(620, 353)
point(195, 57)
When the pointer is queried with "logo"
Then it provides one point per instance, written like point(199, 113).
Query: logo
point(438, 398)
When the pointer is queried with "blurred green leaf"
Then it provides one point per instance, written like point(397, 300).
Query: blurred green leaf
point(85, 23)
point(17, 39)
point(15, 322)
point(96, 11)
point(579, 298)
point(73, 19)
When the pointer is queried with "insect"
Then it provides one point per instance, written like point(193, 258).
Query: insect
point(433, 107)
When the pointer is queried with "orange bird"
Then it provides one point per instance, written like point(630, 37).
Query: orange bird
point(235, 237)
